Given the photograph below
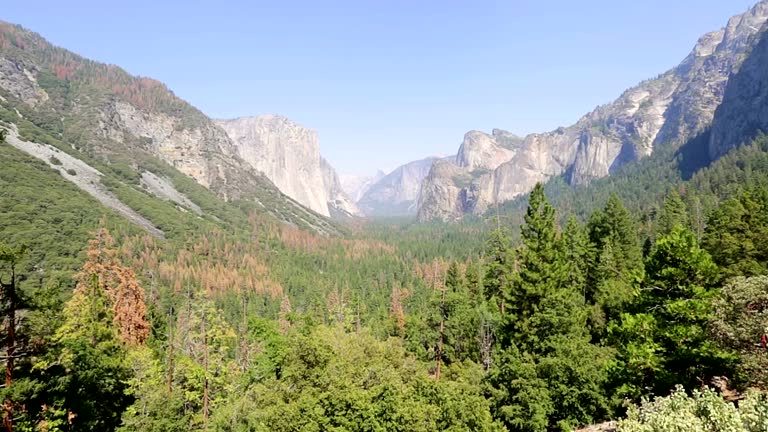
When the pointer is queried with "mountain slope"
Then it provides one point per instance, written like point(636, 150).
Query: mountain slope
point(714, 165)
point(396, 193)
point(340, 205)
point(125, 126)
point(669, 109)
point(355, 186)
point(744, 111)
point(289, 155)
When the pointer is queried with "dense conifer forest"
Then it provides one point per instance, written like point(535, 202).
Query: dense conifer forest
point(548, 318)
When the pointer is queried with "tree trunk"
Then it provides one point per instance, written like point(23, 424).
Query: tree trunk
point(9, 292)
point(440, 337)
point(206, 396)
point(169, 378)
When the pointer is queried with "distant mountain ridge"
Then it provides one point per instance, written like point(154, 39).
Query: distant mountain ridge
point(397, 193)
point(129, 125)
point(355, 186)
point(667, 110)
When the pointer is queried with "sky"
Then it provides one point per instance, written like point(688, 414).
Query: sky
point(384, 82)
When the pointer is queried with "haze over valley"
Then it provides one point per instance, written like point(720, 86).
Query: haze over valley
point(207, 261)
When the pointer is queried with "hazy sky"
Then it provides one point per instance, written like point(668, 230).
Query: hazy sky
point(386, 81)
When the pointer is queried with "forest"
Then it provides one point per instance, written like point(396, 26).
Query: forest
point(651, 312)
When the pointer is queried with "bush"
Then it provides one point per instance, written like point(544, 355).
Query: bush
point(705, 411)
point(55, 161)
point(71, 172)
point(740, 319)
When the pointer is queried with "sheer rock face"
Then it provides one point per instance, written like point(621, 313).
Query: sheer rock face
point(480, 150)
point(667, 110)
point(339, 204)
point(111, 116)
point(289, 155)
point(397, 193)
point(355, 186)
point(744, 111)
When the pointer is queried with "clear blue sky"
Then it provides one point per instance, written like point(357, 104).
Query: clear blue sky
point(386, 81)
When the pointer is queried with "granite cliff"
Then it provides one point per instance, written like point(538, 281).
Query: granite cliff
point(397, 193)
point(667, 110)
point(289, 155)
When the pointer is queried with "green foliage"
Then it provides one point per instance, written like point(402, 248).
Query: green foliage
point(736, 232)
point(617, 265)
point(546, 330)
point(665, 342)
point(87, 358)
point(704, 411)
point(673, 213)
point(332, 380)
point(738, 323)
point(548, 376)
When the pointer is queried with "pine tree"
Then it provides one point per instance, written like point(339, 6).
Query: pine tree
point(11, 302)
point(548, 376)
point(674, 213)
point(475, 282)
point(577, 255)
point(89, 359)
point(125, 296)
point(617, 265)
point(499, 262)
point(666, 340)
point(541, 277)
point(736, 234)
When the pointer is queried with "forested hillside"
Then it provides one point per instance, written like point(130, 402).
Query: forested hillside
point(150, 290)
point(261, 326)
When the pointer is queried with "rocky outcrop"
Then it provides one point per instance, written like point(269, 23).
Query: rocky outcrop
point(667, 110)
point(744, 111)
point(188, 149)
point(397, 193)
point(355, 186)
point(110, 116)
point(289, 155)
point(340, 205)
point(482, 151)
point(21, 82)
point(84, 176)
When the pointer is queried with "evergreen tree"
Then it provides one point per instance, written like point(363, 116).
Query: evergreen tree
point(618, 262)
point(11, 302)
point(475, 283)
point(540, 279)
point(499, 263)
point(673, 213)
point(549, 376)
point(89, 358)
point(666, 341)
point(462, 324)
point(736, 234)
point(577, 255)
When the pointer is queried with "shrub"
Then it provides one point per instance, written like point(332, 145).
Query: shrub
point(705, 411)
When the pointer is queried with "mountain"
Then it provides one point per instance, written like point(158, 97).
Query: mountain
point(743, 113)
point(397, 193)
point(289, 155)
point(667, 110)
point(355, 186)
point(340, 205)
point(132, 134)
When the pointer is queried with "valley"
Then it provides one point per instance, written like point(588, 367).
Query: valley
point(163, 270)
